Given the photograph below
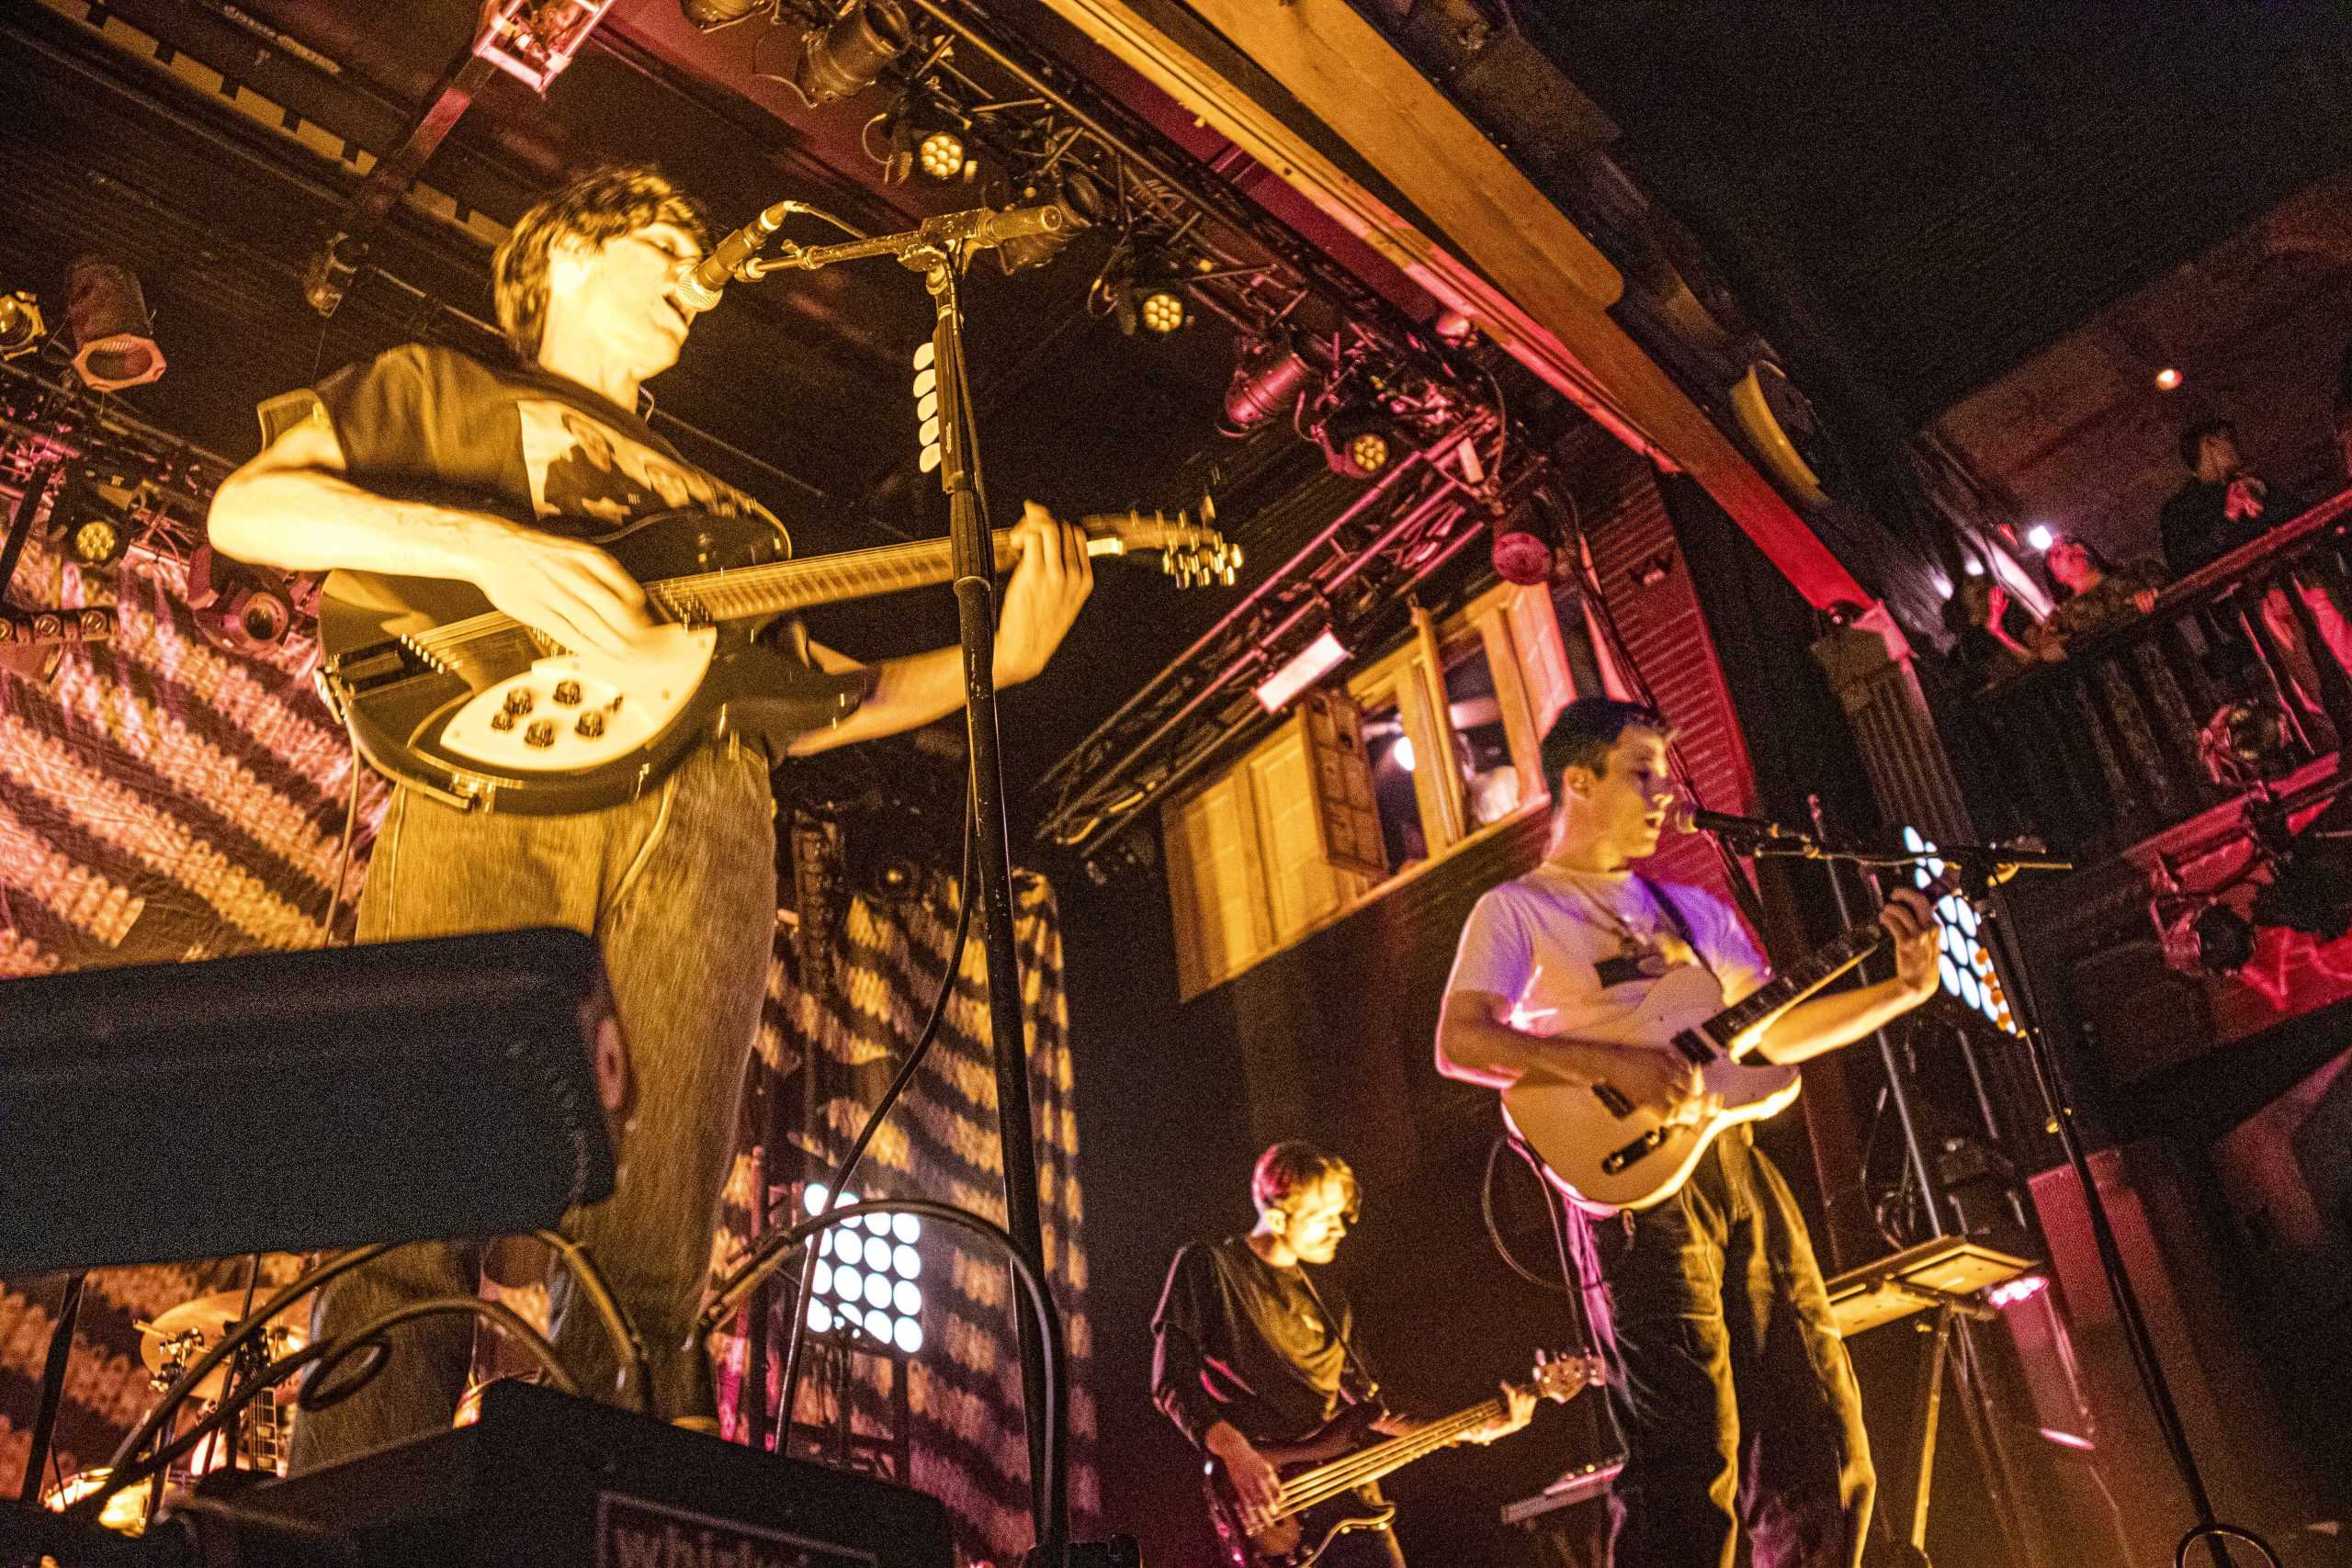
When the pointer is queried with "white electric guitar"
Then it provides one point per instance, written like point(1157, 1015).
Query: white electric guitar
point(1607, 1153)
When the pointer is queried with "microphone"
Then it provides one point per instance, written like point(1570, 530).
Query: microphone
point(698, 290)
point(1690, 819)
point(982, 226)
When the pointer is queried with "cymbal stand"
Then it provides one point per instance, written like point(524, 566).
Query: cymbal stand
point(53, 1385)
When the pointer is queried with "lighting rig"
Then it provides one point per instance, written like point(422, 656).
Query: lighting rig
point(97, 487)
point(965, 99)
point(1342, 592)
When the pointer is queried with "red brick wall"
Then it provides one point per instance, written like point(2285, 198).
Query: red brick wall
point(1674, 659)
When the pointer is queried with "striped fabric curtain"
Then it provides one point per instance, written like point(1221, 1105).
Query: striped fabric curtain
point(161, 800)
point(856, 974)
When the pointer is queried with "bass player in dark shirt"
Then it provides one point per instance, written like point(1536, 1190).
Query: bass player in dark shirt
point(1248, 1350)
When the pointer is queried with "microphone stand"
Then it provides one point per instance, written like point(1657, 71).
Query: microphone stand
point(1985, 868)
point(937, 251)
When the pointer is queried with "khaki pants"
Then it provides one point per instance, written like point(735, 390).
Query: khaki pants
point(679, 889)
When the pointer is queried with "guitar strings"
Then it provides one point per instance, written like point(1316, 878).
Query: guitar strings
point(917, 557)
point(1346, 1475)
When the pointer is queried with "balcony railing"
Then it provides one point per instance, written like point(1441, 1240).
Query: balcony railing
point(2103, 748)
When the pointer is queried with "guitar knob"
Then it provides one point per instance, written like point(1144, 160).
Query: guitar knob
point(502, 720)
point(518, 700)
point(541, 735)
point(567, 693)
point(592, 725)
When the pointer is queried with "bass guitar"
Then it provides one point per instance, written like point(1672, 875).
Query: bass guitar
point(1608, 1154)
point(444, 693)
point(1322, 1473)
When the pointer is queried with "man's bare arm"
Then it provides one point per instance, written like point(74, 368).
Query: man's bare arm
point(1476, 1044)
point(1041, 600)
point(1824, 1023)
point(294, 508)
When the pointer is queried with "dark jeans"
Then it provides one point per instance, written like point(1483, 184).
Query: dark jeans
point(1733, 1392)
point(679, 889)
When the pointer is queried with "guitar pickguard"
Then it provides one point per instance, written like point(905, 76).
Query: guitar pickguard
point(575, 711)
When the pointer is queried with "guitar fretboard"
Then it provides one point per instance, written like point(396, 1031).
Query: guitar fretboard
point(1365, 1466)
point(785, 586)
point(1797, 984)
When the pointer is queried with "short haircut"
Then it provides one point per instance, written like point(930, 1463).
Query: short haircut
point(1589, 729)
point(599, 206)
point(1295, 1167)
point(2192, 440)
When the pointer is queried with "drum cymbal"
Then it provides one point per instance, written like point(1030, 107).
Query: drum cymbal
point(194, 1328)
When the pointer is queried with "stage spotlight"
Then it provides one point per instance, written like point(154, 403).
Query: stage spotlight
point(114, 342)
point(2039, 537)
point(1362, 442)
point(1075, 193)
point(1522, 547)
point(1148, 296)
point(2168, 379)
point(21, 326)
point(94, 516)
point(1310, 664)
point(925, 139)
point(242, 608)
point(2212, 939)
point(1267, 380)
point(849, 53)
point(2309, 891)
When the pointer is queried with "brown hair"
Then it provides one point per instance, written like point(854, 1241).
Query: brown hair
point(599, 206)
point(1589, 729)
point(1293, 1167)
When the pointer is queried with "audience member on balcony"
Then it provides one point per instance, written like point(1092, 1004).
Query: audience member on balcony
point(1989, 633)
point(2092, 596)
point(2226, 504)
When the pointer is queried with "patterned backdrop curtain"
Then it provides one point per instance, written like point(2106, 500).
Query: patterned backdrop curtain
point(850, 990)
point(163, 800)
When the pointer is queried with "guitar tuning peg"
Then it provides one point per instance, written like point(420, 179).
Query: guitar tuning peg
point(1208, 508)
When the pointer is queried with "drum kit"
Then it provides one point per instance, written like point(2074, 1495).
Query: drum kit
point(260, 1440)
point(171, 1344)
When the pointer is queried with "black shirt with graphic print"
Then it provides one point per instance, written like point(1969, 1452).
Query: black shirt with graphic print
point(424, 423)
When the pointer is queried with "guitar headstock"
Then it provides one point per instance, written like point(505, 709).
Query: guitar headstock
point(1561, 1378)
point(1190, 552)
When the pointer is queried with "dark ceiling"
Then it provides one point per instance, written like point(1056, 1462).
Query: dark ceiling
point(1921, 195)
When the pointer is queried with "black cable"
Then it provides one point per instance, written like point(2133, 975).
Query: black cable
point(589, 1280)
point(729, 1297)
point(315, 1277)
point(1494, 1230)
point(370, 1335)
point(1055, 1465)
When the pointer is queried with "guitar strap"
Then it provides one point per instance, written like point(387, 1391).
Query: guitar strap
point(1675, 917)
point(1347, 1347)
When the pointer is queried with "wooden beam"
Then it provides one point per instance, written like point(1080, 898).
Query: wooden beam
point(1515, 265)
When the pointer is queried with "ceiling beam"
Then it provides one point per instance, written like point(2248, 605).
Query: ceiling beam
point(1504, 255)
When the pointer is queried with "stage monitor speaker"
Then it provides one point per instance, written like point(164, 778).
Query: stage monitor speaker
point(2255, 1473)
point(546, 1479)
point(296, 1100)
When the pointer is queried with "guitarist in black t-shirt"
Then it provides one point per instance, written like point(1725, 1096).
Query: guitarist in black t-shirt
point(1249, 1351)
point(428, 464)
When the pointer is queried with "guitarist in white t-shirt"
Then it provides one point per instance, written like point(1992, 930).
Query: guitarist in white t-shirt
point(1735, 1395)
